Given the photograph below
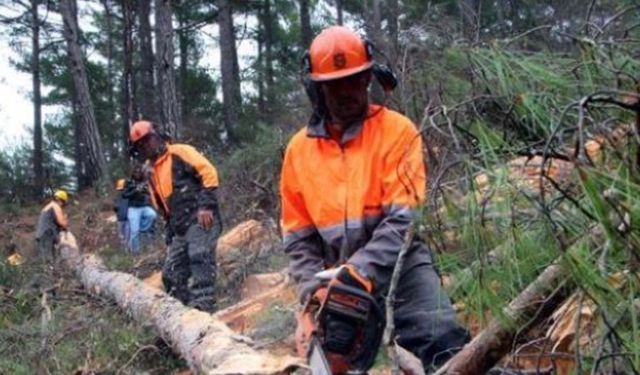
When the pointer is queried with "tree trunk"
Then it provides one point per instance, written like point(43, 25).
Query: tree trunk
point(106, 4)
point(339, 11)
point(148, 94)
point(128, 113)
point(532, 306)
point(470, 16)
point(393, 29)
point(374, 30)
point(267, 19)
point(183, 43)
point(79, 153)
point(164, 68)
point(229, 70)
point(97, 171)
point(38, 169)
point(305, 25)
point(207, 344)
point(260, 61)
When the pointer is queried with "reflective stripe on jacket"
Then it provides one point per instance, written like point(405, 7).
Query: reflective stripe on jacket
point(52, 218)
point(352, 200)
point(183, 181)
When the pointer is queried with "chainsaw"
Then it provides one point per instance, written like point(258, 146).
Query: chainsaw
point(349, 305)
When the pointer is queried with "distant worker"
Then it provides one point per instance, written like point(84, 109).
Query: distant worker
point(184, 187)
point(140, 215)
point(13, 257)
point(352, 182)
point(52, 221)
point(121, 206)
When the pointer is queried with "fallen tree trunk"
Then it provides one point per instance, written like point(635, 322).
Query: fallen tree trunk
point(528, 309)
point(207, 344)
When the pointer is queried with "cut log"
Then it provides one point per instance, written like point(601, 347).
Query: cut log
point(242, 316)
point(529, 308)
point(206, 343)
point(255, 285)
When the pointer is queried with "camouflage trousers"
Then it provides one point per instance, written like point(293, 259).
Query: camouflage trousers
point(189, 270)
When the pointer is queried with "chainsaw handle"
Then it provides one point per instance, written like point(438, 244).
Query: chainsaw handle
point(346, 289)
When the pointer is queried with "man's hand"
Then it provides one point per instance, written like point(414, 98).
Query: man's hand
point(205, 218)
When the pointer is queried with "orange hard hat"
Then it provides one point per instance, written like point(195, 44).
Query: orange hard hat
point(338, 52)
point(139, 130)
point(120, 184)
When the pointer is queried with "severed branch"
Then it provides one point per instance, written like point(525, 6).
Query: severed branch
point(543, 295)
point(391, 299)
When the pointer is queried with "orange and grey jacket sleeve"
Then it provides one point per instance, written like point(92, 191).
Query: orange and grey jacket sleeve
point(302, 242)
point(207, 174)
point(404, 185)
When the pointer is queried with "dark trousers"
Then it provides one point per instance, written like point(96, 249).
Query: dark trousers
point(46, 246)
point(425, 321)
point(189, 269)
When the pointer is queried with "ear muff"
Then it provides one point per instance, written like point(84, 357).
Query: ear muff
point(368, 47)
point(306, 62)
point(385, 77)
point(383, 72)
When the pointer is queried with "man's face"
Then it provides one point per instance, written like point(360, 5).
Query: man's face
point(347, 98)
point(148, 146)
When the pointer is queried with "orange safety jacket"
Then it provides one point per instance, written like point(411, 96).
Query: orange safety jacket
point(353, 200)
point(52, 220)
point(183, 181)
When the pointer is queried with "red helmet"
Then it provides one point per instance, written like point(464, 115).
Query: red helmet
point(338, 52)
point(139, 130)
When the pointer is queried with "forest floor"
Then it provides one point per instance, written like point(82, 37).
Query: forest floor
point(50, 324)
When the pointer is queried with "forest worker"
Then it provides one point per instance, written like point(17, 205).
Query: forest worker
point(183, 184)
point(121, 207)
point(351, 183)
point(140, 215)
point(52, 221)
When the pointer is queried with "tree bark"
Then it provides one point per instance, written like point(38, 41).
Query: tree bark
point(392, 17)
point(374, 30)
point(169, 106)
point(183, 43)
point(79, 153)
point(96, 170)
point(260, 61)
point(106, 4)
point(267, 20)
point(38, 169)
point(148, 93)
point(128, 112)
point(305, 25)
point(229, 70)
point(207, 344)
point(470, 15)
